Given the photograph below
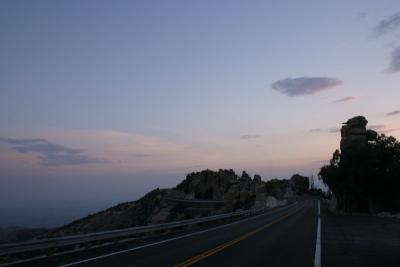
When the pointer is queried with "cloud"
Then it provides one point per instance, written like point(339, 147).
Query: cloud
point(334, 130)
point(330, 130)
point(389, 130)
point(387, 25)
point(394, 112)
point(376, 127)
point(20, 141)
point(394, 65)
point(51, 154)
point(140, 155)
point(345, 99)
point(362, 15)
point(379, 127)
point(249, 136)
point(305, 85)
point(383, 128)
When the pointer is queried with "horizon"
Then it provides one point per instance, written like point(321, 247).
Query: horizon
point(102, 102)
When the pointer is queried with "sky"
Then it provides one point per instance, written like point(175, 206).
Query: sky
point(103, 101)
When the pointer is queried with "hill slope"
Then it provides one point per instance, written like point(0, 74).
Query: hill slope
point(200, 194)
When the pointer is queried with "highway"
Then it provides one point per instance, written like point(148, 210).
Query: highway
point(301, 234)
point(284, 236)
point(359, 240)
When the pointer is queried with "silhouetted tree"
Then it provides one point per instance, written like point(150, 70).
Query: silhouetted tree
point(367, 179)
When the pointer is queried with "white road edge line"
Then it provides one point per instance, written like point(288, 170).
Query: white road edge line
point(166, 240)
point(317, 258)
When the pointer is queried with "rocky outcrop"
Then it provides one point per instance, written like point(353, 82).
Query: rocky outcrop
point(283, 189)
point(225, 185)
point(364, 175)
point(199, 194)
point(207, 184)
point(354, 134)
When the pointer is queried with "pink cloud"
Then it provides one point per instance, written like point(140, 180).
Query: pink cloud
point(394, 112)
point(345, 99)
point(389, 130)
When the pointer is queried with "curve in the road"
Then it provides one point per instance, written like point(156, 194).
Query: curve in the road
point(230, 243)
point(168, 240)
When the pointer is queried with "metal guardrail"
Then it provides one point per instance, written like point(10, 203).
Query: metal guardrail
point(58, 242)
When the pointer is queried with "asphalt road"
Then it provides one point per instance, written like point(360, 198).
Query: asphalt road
point(359, 241)
point(285, 236)
point(281, 237)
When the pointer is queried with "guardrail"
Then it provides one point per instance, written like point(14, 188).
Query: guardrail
point(113, 235)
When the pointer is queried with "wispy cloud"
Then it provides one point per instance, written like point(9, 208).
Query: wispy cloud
point(387, 25)
point(389, 130)
point(377, 127)
point(319, 130)
point(394, 65)
point(305, 85)
point(383, 128)
point(51, 154)
point(250, 136)
point(362, 15)
point(345, 99)
point(394, 112)
point(13, 141)
point(334, 130)
point(140, 155)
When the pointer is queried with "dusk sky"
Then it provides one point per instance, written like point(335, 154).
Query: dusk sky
point(102, 101)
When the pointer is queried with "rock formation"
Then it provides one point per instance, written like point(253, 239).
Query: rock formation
point(354, 134)
point(364, 175)
point(282, 189)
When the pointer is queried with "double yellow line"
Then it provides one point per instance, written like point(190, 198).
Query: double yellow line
point(232, 242)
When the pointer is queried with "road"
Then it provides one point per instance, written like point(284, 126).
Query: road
point(283, 236)
point(359, 241)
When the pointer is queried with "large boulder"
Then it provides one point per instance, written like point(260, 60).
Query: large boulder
point(299, 184)
point(354, 134)
point(281, 189)
point(207, 184)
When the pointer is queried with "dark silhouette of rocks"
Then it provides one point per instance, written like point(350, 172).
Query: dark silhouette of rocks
point(355, 135)
point(281, 189)
point(365, 175)
point(199, 194)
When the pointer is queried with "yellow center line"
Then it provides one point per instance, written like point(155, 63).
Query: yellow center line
point(232, 242)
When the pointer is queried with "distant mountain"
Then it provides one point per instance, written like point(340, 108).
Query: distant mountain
point(200, 194)
point(17, 234)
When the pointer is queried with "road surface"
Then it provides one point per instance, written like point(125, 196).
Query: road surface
point(287, 236)
point(284, 236)
point(360, 241)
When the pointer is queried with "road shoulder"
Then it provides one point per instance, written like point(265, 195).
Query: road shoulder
point(355, 240)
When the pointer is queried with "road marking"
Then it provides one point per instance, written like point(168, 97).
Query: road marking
point(317, 258)
point(171, 239)
point(230, 243)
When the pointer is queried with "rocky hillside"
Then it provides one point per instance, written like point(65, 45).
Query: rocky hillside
point(200, 194)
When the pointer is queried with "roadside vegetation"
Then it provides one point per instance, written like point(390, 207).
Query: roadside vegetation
point(367, 179)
